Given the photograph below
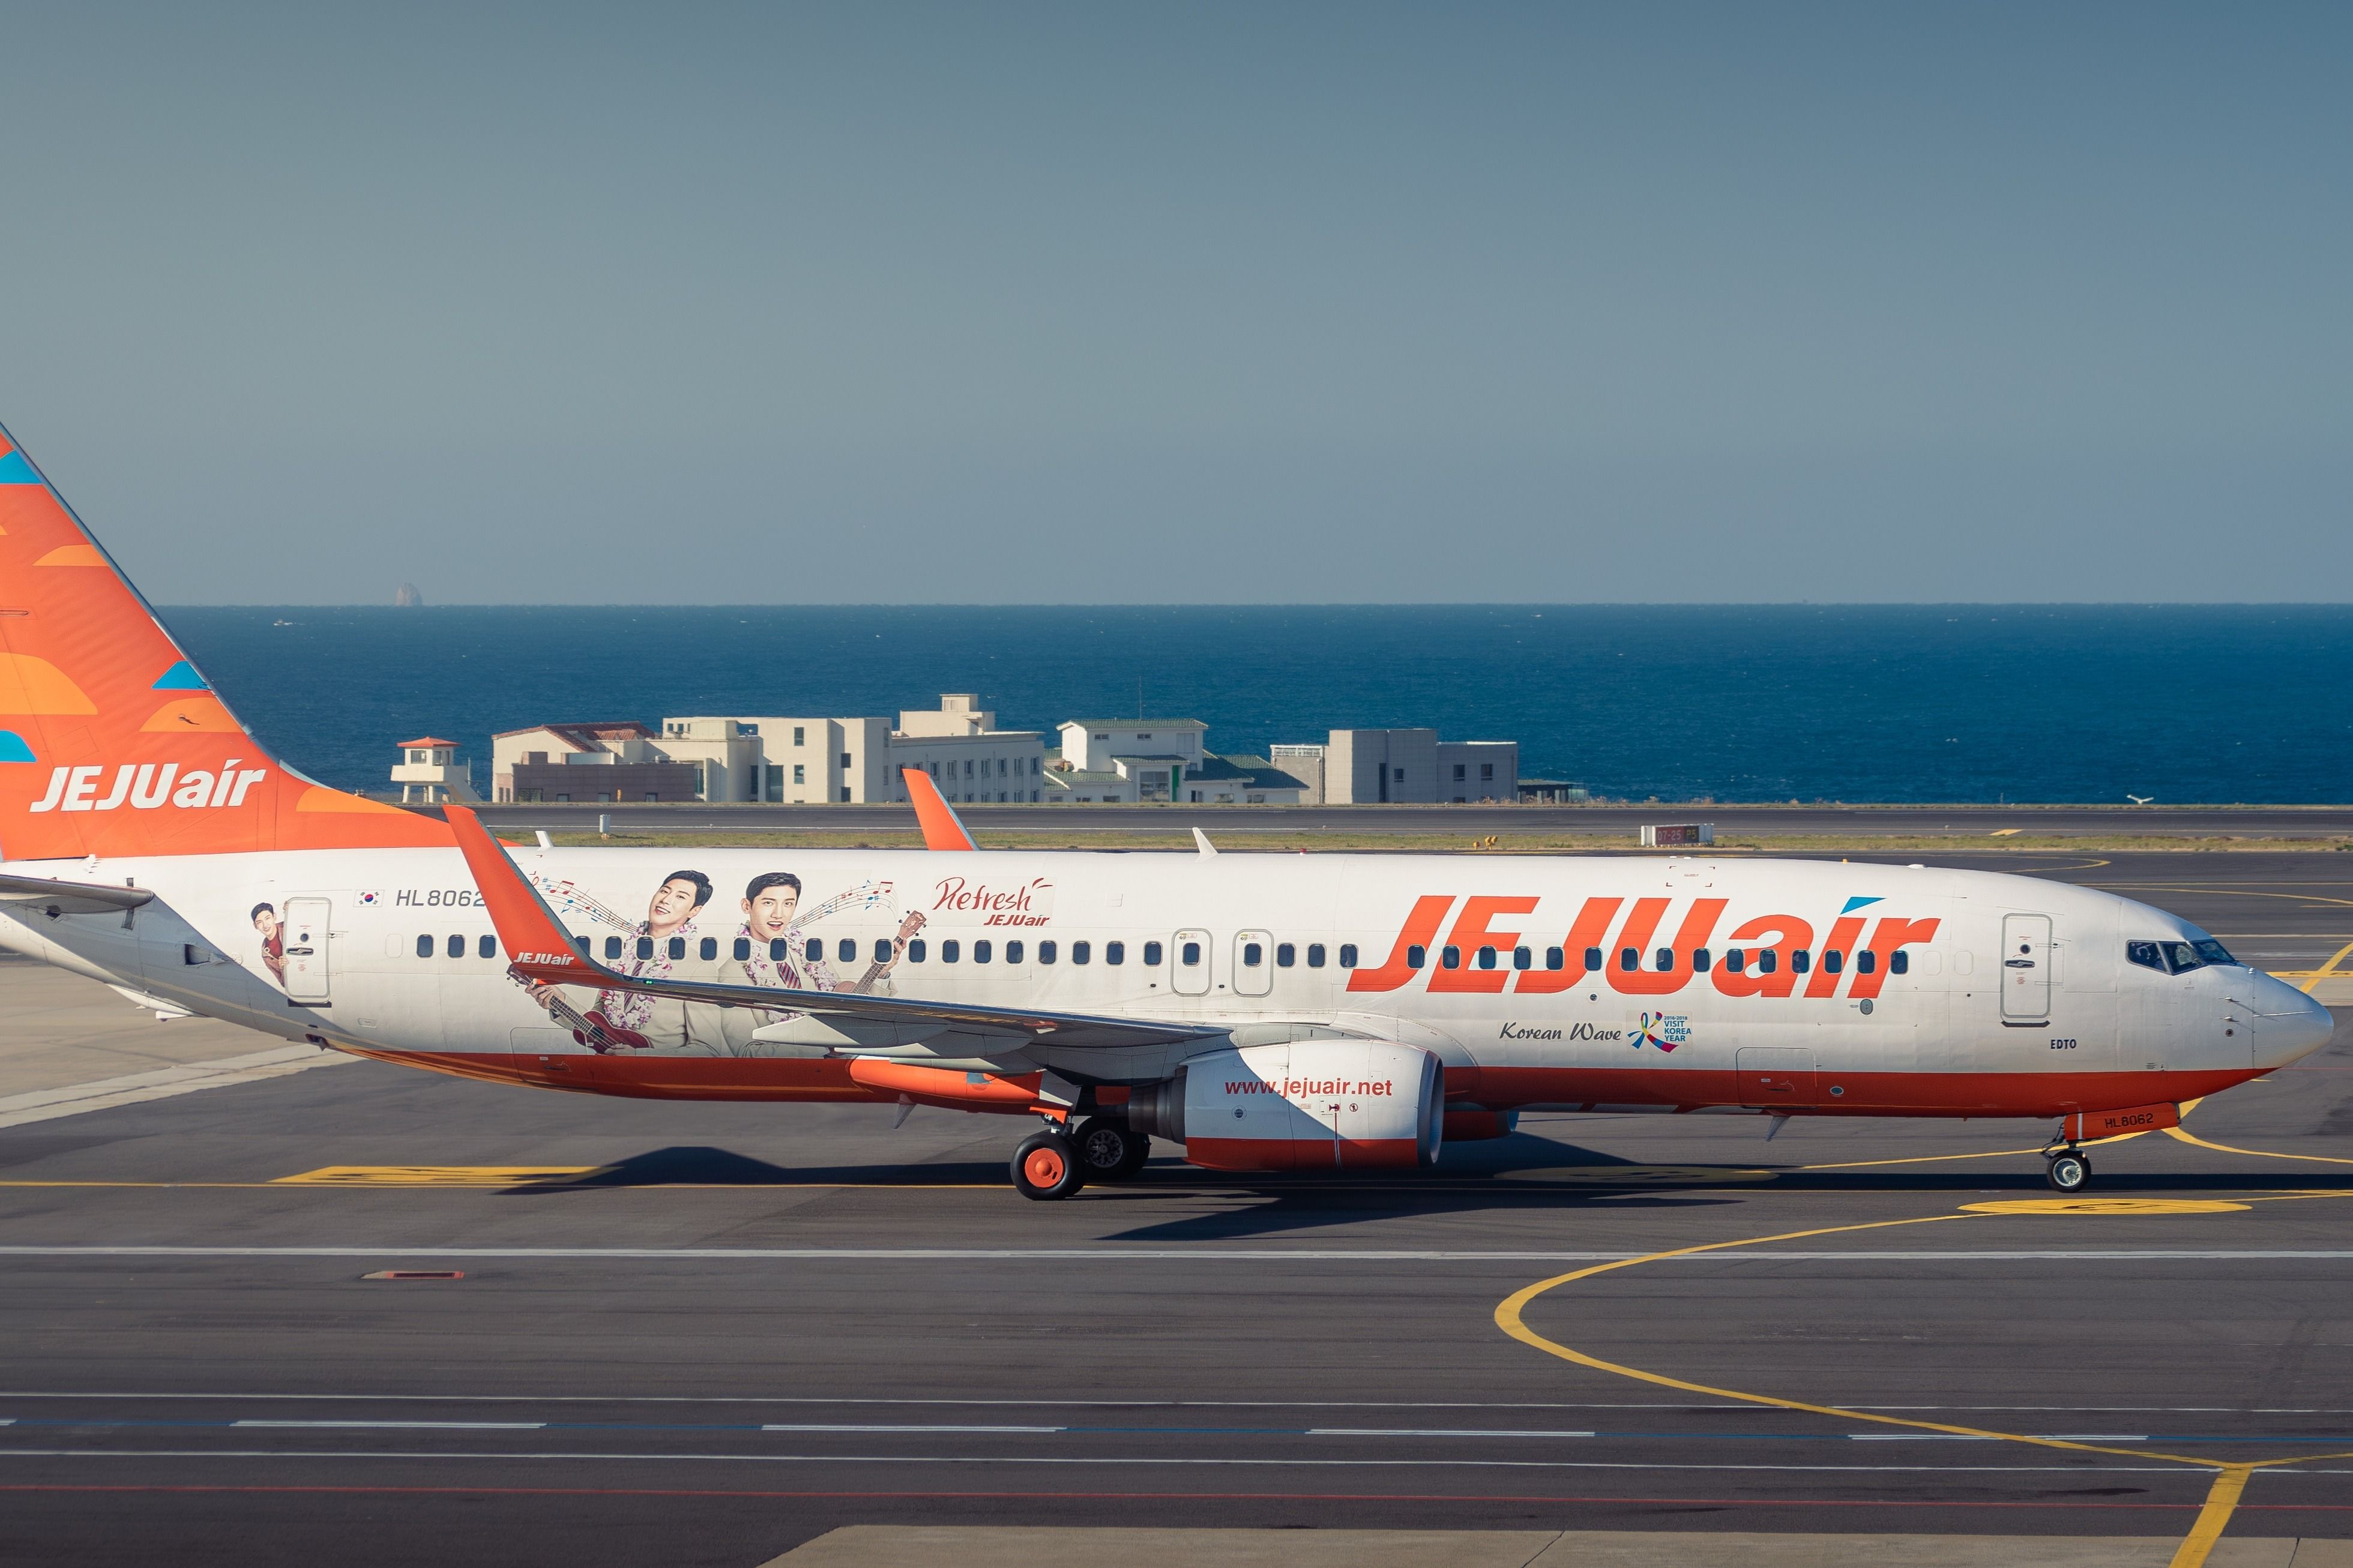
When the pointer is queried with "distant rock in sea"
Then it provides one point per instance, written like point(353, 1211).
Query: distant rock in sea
point(408, 598)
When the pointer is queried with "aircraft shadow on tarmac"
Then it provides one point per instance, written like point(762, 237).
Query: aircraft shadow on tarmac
point(1517, 1173)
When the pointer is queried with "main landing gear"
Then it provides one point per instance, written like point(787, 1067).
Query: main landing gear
point(1052, 1163)
point(2068, 1169)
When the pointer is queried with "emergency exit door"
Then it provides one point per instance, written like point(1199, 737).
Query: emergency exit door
point(2025, 968)
point(305, 934)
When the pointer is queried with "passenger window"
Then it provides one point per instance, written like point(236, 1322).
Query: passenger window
point(644, 947)
point(1013, 952)
point(950, 951)
point(1415, 957)
point(1700, 959)
point(1348, 955)
point(1152, 954)
point(1114, 952)
point(612, 947)
point(455, 946)
point(1314, 955)
point(881, 949)
point(1833, 961)
point(677, 947)
point(486, 947)
point(742, 951)
point(708, 948)
point(1046, 951)
point(1252, 955)
point(1899, 961)
point(1801, 960)
point(1523, 958)
point(982, 951)
point(1767, 960)
point(1592, 960)
point(1735, 961)
point(424, 947)
point(1486, 958)
point(1866, 963)
point(1663, 960)
point(1450, 957)
point(1286, 955)
point(1081, 953)
point(779, 950)
point(846, 949)
point(1554, 958)
point(815, 952)
point(1628, 960)
point(916, 949)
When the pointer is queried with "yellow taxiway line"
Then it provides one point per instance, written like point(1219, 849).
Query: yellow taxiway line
point(2230, 1476)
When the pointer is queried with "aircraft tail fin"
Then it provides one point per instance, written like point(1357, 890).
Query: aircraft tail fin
point(110, 740)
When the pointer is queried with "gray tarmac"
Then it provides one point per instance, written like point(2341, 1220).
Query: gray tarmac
point(1625, 822)
point(694, 1333)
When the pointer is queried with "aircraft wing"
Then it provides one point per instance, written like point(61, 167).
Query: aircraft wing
point(71, 898)
point(539, 950)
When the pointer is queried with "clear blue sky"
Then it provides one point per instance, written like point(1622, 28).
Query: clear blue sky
point(1187, 303)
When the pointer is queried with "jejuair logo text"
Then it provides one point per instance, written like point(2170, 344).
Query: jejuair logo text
point(147, 786)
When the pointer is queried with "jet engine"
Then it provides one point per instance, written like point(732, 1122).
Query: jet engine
point(1310, 1105)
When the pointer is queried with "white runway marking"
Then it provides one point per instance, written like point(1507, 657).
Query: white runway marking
point(1125, 1461)
point(1147, 1404)
point(1431, 1431)
point(1117, 1253)
point(131, 1089)
point(810, 1426)
point(410, 1425)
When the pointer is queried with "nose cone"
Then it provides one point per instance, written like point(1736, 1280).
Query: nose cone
point(2290, 1026)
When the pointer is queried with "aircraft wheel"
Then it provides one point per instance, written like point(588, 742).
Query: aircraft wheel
point(2068, 1172)
point(1046, 1167)
point(1110, 1151)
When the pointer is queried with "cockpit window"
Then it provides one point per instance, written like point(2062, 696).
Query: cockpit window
point(2177, 957)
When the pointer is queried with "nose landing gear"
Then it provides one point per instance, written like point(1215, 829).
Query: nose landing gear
point(2068, 1169)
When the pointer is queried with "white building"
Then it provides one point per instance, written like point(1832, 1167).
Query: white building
point(783, 759)
point(431, 772)
point(1414, 767)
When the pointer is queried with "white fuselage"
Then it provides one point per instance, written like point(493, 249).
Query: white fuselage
point(1856, 989)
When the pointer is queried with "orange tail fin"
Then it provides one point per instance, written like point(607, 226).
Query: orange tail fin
point(111, 743)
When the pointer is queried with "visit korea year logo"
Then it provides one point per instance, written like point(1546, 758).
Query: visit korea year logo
point(1665, 1030)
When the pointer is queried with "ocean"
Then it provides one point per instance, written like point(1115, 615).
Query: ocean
point(1947, 703)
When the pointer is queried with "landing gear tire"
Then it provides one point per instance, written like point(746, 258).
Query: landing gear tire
point(2068, 1172)
point(1110, 1151)
point(1047, 1167)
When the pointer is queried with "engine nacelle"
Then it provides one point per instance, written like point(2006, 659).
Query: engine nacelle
point(1311, 1105)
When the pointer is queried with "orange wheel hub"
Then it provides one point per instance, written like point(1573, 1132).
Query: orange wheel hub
point(1043, 1167)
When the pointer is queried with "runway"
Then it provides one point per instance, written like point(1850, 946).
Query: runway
point(1619, 822)
point(709, 1333)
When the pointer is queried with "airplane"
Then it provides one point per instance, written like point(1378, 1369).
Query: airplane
point(2139, 799)
point(1259, 1013)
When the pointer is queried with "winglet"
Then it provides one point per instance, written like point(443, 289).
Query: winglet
point(538, 948)
point(1202, 839)
point(942, 830)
